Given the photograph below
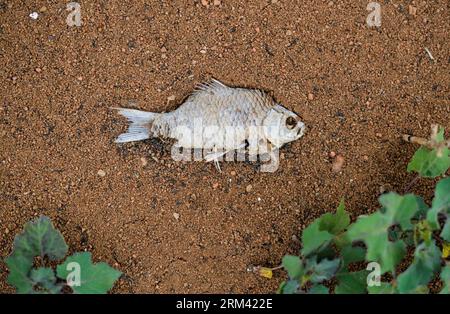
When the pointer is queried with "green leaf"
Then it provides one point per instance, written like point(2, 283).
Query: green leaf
point(319, 272)
point(293, 265)
point(427, 259)
point(19, 267)
point(392, 254)
point(281, 287)
point(44, 281)
point(400, 209)
point(335, 223)
point(351, 254)
point(441, 202)
point(408, 238)
point(27, 280)
point(351, 283)
point(445, 277)
point(290, 287)
point(327, 252)
point(383, 288)
point(318, 289)
point(313, 238)
point(423, 232)
point(40, 238)
point(445, 234)
point(372, 230)
point(94, 278)
point(442, 195)
point(426, 161)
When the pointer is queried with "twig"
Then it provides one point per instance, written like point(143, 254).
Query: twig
point(429, 54)
point(424, 141)
point(430, 143)
point(411, 183)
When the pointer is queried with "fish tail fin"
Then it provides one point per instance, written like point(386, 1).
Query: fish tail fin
point(139, 124)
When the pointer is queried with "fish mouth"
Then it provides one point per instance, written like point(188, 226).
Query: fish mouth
point(301, 129)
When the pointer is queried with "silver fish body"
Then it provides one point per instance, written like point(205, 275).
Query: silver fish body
point(219, 118)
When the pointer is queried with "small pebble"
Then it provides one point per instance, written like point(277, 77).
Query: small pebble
point(176, 216)
point(34, 15)
point(101, 173)
point(205, 3)
point(144, 161)
point(310, 96)
point(248, 188)
point(332, 154)
point(217, 2)
point(233, 173)
point(338, 163)
point(379, 135)
point(38, 70)
point(43, 9)
point(171, 98)
point(215, 185)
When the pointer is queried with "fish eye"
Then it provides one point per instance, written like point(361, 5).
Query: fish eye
point(291, 122)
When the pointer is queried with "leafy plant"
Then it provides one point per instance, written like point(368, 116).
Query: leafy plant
point(40, 243)
point(335, 252)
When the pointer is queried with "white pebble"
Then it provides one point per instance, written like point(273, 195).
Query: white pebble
point(101, 173)
point(34, 15)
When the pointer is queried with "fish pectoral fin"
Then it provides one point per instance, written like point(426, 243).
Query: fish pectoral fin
point(216, 163)
point(215, 155)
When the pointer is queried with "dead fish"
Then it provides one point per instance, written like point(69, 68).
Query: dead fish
point(219, 119)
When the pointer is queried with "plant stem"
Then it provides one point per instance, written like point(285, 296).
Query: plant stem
point(411, 184)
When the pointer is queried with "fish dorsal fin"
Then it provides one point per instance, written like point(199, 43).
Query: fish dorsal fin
point(214, 87)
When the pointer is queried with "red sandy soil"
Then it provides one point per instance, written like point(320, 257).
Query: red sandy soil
point(367, 86)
